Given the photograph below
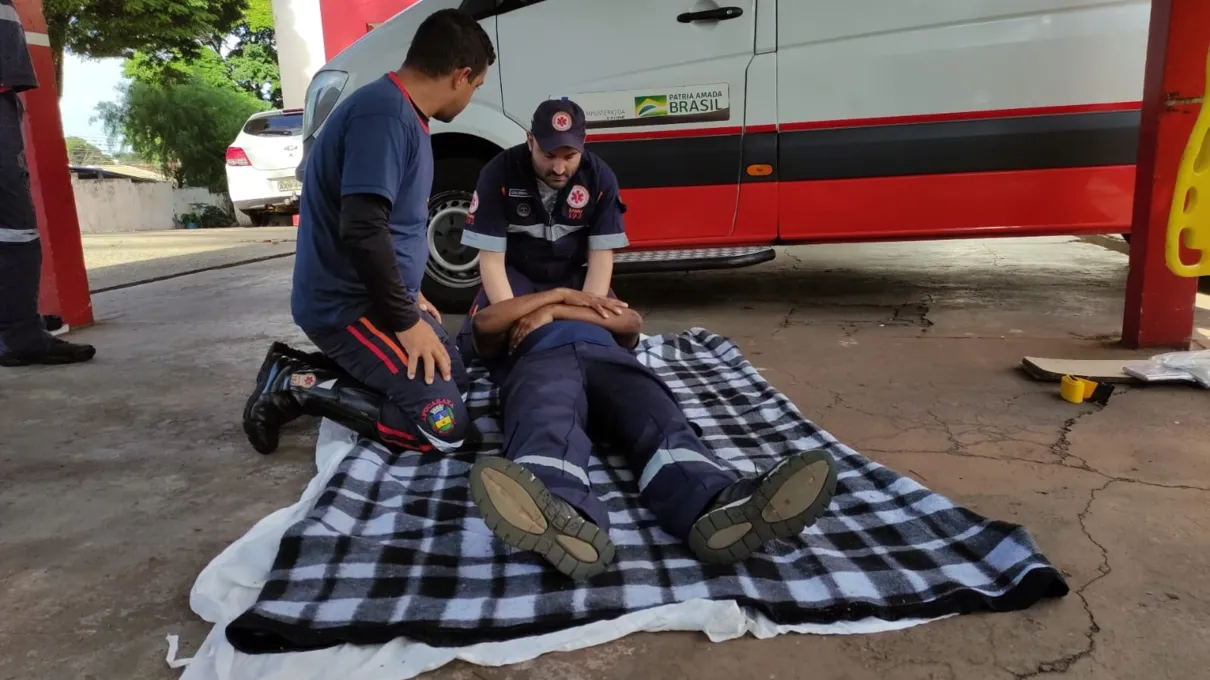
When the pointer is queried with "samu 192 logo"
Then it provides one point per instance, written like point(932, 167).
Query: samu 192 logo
point(651, 105)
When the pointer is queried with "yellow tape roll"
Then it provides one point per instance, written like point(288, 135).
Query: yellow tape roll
point(1076, 390)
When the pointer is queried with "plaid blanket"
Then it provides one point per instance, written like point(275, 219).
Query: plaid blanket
point(395, 547)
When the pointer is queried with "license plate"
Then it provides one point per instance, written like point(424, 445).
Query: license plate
point(289, 185)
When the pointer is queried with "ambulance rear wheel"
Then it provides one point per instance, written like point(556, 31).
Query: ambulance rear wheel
point(451, 279)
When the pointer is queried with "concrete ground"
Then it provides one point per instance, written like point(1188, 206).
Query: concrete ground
point(122, 478)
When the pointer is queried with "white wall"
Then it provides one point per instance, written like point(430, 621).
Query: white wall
point(300, 47)
point(108, 206)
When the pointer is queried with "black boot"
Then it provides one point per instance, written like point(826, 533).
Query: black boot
point(52, 351)
point(293, 383)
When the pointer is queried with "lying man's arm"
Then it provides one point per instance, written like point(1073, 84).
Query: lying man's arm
point(625, 326)
point(494, 324)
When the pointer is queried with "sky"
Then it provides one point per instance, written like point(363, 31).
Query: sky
point(86, 83)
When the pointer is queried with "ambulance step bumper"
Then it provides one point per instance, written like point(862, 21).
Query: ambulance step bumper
point(643, 261)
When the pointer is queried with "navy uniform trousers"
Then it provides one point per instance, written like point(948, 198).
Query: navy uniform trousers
point(414, 415)
point(20, 248)
point(551, 396)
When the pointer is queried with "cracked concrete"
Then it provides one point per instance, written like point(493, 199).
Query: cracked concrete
point(122, 478)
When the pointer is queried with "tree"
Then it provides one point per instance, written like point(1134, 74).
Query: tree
point(82, 152)
point(119, 28)
point(183, 127)
point(245, 59)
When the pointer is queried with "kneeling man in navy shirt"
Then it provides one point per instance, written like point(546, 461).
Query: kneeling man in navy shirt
point(387, 369)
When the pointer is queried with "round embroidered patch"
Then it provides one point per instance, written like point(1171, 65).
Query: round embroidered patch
point(474, 202)
point(578, 198)
point(561, 121)
point(440, 416)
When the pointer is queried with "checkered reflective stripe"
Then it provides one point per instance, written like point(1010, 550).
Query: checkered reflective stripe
point(394, 546)
point(689, 254)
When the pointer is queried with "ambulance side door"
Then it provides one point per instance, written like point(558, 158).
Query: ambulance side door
point(663, 84)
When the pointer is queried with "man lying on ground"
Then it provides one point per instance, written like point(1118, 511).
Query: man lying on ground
point(564, 364)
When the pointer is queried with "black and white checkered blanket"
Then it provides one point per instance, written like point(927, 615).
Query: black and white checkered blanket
point(395, 547)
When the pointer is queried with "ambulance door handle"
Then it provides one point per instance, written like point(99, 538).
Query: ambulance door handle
point(719, 14)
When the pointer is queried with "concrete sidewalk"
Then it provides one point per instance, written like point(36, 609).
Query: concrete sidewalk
point(120, 260)
point(122, 478)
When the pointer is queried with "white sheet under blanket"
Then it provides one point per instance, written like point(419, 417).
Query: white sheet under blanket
point(230, 584)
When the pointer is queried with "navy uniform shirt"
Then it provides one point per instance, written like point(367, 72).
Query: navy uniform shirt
point(373, 143)
point(16, 69)
point(550, 247)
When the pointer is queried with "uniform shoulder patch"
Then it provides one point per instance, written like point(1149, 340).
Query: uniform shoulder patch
point(578, 198)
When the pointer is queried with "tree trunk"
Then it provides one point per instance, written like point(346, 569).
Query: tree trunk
point(55, 33)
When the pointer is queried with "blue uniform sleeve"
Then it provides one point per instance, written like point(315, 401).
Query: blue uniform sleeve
point(377, 152)
point(608, 230)
point(487, 222)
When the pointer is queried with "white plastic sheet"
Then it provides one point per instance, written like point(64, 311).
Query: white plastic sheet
point(1173, 366)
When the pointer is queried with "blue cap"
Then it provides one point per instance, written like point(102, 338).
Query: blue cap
point(558, 123)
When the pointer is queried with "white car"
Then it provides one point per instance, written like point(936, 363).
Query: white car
point(261, 165)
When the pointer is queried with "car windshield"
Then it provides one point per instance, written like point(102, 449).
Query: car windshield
point(285, 125)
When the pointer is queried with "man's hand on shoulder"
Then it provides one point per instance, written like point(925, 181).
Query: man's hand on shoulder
point(423, 346)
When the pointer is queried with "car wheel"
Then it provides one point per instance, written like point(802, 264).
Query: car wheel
point(258, 218)
point(451, 278)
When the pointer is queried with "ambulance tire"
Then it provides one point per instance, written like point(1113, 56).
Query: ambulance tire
point(451, 279)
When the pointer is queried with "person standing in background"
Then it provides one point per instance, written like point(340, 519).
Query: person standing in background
point(24, 340)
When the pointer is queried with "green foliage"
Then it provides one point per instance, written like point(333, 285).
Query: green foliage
point(130, 158)
point(183, 127)
point(245, 59)
point(82, 152)
point(119, 28)
point(206, 216)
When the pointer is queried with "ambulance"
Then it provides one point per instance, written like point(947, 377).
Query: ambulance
point(735, 127)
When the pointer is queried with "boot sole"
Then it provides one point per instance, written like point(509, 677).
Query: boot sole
point(788, 501)
point(522, 512)
point(51, 361)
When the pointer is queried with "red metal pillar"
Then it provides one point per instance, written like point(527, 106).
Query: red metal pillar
point(64, 278)
point(1159, 304)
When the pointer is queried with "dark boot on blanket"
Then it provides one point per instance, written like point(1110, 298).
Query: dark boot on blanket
point(519, 509)
point(293, 383)
point(756, 510)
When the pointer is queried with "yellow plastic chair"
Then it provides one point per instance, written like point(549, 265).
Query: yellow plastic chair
point(1189, 218)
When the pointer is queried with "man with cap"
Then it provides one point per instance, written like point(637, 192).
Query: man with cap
point(547, 210)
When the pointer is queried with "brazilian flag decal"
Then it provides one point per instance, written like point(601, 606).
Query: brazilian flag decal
point(651, 105)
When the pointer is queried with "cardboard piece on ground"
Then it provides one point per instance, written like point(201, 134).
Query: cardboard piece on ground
point(1097, 370)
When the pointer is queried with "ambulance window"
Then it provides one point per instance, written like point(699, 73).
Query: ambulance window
point(482, 9)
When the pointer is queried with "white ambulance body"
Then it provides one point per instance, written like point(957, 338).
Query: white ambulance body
point(733, 127)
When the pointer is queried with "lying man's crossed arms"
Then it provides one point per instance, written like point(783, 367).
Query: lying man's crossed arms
point(562, 361)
